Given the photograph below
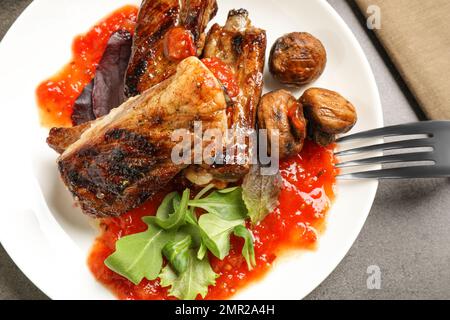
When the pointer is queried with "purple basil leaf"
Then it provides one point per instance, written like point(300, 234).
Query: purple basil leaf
point(108, 92)
point(82, 109)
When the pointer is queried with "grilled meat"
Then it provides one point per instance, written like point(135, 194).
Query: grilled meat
point(59, 139)
point(149, 63)
point(242, 47)
point(124, 158)
point(115, 163)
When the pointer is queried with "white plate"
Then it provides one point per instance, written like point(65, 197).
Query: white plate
point(49, 239)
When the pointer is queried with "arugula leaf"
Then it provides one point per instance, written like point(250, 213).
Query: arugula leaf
point(204, 191)
point(194, 281)
point(193, 231)
point(260, 193)
point(226, 204)
point(248, 250)
point(216, 233)
point(138, 256)
point(177, 252)
point(168, 205)
point(191, 218)
point(171, 221)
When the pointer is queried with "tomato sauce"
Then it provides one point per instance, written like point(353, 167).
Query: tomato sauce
point(307, 193)
point(179, 44)
point(56, 96)
point(308, 181)
point(224, 74)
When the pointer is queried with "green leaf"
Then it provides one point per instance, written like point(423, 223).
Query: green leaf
point(260, 194)
point(190, 217)
point(202, 251)
point(204, 191)
point(171, 221)
point(248, 250)
point(228, 190)
point(216, 233)
point(193, 231)
point(177, 252)
point(226, 204)
point(138, 256)
point(168, 205)
point(193, 282)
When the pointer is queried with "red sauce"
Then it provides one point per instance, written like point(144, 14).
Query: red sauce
point(224, 74)
point(56, 96)
point(308, 181)
point(179, 44)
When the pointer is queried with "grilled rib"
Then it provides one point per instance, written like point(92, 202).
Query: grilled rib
point(59, 139)
point(124, 158)
point(242, 47)
point(148, 64)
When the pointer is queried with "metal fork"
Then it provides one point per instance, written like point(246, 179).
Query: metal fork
point(436, 139)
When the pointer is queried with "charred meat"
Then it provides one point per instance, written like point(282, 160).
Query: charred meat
point(328, 114)
point(59, 139)
point(160, 24)
point(242, 48)
point(282, 115)
point(124, 158)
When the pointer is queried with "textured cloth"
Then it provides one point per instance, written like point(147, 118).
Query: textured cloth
point(416, 35)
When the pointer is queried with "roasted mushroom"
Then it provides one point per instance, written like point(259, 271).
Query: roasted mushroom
point(328, 114)
point(297, 58)
point(279, 110)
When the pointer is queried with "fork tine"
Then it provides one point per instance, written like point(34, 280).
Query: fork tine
point(423, 127)
point(393, 158)
point(416, 143)
point(399, 173)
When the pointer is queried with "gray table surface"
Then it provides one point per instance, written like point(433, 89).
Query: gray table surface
point(406, 234)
